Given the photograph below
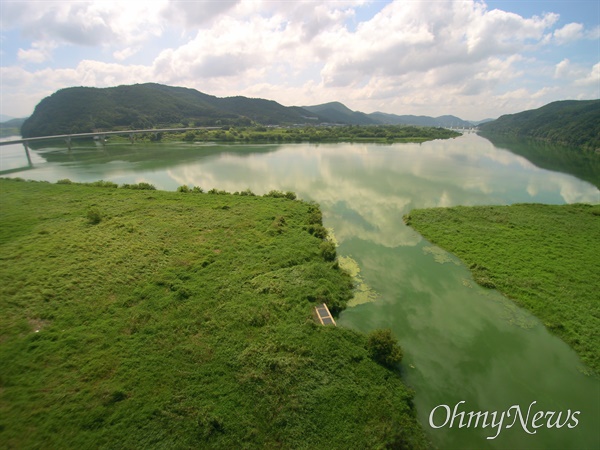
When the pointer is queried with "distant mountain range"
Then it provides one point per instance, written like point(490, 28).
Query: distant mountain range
point(151, 105)
point(84, 109)
point(339, 113)
point(11, 127)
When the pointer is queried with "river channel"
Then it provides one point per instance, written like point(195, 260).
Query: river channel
point(462, 343)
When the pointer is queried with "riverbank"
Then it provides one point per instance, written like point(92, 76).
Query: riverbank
point(315, 134)
point(544, 257)
point(140, 318)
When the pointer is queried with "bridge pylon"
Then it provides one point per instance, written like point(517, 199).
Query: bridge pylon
point(27, 154)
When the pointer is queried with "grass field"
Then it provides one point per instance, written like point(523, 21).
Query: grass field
point(545, 257)
point(144, 319)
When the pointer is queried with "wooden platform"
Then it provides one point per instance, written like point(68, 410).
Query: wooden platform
point(324, 315)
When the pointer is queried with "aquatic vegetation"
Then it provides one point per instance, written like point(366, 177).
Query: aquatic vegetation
point(439, 255)
point(363, 293)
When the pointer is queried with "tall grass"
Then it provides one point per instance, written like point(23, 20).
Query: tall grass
point(179, 321)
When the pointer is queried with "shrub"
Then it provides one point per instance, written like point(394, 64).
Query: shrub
point(279, 194)
point(318, 231)
point(184, 188)
point(146, 186)
point(139, 186)
point(327, 250)
point(278, 224)
point(93, 216)
point(383, 347)
point(64, 181)
point(274, 194)
point(104, 184)
point(189, 136)
point(314, 215)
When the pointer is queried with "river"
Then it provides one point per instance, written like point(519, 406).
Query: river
point(462, 343)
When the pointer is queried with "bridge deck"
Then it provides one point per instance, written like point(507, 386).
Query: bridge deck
point(103, 133)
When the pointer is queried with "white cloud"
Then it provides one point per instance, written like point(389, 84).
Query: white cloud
point(563, 69)
point(432, 57)
point(38, 53)
point(85, 23)
point(195, 13)
point(122, 55)
point(569, 33)
point(592, 78)
point(579, 75)
point(594, 34)
point(415, 37)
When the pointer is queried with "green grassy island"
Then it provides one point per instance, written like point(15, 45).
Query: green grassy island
point(135, 318)
point(544, 257)
point(349, 133)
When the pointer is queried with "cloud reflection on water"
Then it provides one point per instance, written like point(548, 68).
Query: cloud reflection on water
point(365, 189)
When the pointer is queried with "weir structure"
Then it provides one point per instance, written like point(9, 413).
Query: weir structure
point(324, 315)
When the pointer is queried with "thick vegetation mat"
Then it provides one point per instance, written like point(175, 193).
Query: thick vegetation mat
point(545, 257)
point(134, 318)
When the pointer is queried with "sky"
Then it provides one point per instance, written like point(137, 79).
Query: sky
point(469, 58)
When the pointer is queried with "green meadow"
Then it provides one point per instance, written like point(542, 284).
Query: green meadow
point(544, 257)
point(134, 318)
point(383, 134)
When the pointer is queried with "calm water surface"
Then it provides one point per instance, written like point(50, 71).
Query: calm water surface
point(461, 342)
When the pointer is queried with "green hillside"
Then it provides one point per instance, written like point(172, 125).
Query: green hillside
point(140, 106)
point(337, 112)
point(572, 123)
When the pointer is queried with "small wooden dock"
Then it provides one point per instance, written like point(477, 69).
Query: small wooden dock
point(324, 315)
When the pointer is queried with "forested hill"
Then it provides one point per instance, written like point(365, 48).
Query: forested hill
point(140, 106)
point(573, 123)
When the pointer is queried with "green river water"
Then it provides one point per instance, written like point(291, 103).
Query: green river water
point(462, 343)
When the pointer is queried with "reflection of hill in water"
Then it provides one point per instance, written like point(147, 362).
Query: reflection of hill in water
point(146, 155)
point(585, 166)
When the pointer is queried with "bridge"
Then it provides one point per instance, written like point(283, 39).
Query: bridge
point(97, 134)
point(102, 134)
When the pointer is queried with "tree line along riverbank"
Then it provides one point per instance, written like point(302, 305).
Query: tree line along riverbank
point(544, 257)
point(140, 318)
